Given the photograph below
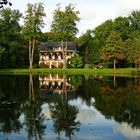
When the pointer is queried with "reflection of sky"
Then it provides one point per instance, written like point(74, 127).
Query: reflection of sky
point(93, 126)
point(127, 131)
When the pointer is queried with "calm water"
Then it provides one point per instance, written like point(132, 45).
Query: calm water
point(61, 107)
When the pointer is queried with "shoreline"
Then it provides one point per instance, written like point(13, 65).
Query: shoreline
point(105, 71)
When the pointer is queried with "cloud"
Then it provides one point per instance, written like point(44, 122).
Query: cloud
point(84, 118)
point(127, 131)
point(128, 5)
point(92, 12)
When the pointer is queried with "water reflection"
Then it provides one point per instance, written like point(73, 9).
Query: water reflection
point(120, 102)
point(69, 107)
point(54, 87)
point(59, 89)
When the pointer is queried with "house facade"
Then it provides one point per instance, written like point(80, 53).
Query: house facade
point(56, 54)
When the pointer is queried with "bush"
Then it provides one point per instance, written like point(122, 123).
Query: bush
point(76, 62)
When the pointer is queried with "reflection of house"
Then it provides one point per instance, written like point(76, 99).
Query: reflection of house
point(55, 86)
point(52, 53)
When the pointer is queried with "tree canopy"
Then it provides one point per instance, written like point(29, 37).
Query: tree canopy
point(10, 37)
point(114, 49)
point(126, 30)
point(65, 22)
point(33, 22)
point(115, 40)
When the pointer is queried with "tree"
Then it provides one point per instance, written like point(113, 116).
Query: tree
point(133, 53)
point(122, 25)
point(90, 46)
point(10, 37)
point(86, 47)
point(103, 31)
point(76, 62)
point(33, 22)
point(134, 20)
point(114, 49)
point(64, 26)
point(64, 23)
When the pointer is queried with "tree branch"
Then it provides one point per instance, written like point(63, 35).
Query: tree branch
point(4, 2)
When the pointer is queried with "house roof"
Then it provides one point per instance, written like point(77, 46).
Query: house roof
point(45, 46)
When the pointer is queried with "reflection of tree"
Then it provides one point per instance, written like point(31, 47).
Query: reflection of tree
point(137, 84)
point(33, 119)
point(33, 116)
point(64, 116)
point(76, 80)
point(120, 102)
point(9, 118)
point(89, 87)
point(10, 101)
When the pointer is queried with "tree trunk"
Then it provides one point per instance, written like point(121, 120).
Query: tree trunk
point(114, 81)
point(64, 49)
point(31, 52)
point(33, 47)
point(30, 58)
point(114, 64)
point(31, 88)
point(64, 93)
point(135, 64)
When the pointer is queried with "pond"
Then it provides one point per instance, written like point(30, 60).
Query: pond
point(64, 107)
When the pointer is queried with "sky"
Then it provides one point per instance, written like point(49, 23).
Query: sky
point(92, 12)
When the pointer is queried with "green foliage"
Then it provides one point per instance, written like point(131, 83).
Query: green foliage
point(103, 46)
point(76, 62)
point(92, 41)
point(10, 38)
point(64, 23)
point(122, 26)
point(103, 31)
point(114, 49)
point(134, 20)
point(87, 47)
point(33, 20)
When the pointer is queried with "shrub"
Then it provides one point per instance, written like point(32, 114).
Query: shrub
point(76, 62)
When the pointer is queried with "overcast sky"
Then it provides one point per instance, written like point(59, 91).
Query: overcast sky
point(92, 12)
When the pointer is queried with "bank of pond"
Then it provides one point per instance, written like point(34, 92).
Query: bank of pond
point(105, 71)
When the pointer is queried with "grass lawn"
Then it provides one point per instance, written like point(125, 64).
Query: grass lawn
point(117, 72)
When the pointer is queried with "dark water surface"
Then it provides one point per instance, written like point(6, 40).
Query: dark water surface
point(61, 107)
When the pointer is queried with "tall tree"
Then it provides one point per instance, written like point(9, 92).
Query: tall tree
point(64, 25)
point(134, 20)
point(88, 47)
point(122, 25)
point(103, 31)
point(114, 49)
point(133, 53)
point(10, 37)
point(33, 23)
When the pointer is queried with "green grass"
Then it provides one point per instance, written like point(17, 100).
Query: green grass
point(117, 72)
